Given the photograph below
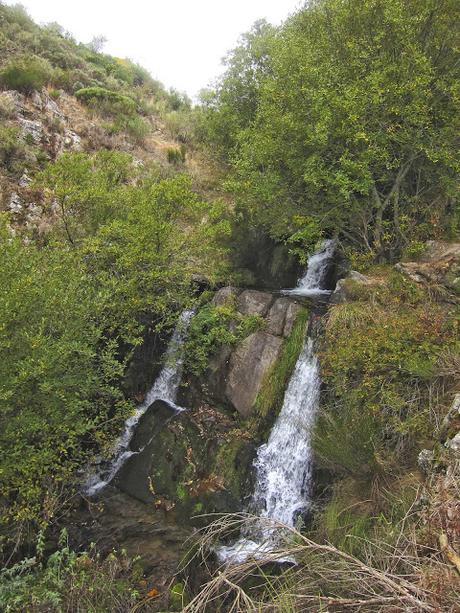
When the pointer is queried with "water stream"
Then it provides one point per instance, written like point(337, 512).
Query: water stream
point(283, 465)
point(164, 388)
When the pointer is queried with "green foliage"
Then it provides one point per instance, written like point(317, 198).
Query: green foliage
point(26, 74)
point(357, 131)
point(212, 328)
point(58, 374)
point(270, 397)
point(379, 364)
point(118, 261)
point(69, 581)
point(11, 147)
point(135, 126)
point(176, 155)
point(76, 66)
point(106, 101)
point(88, 190)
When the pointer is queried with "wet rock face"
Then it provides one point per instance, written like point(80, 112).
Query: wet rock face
point(282, 316)
point(118, 521)
point(255, 356)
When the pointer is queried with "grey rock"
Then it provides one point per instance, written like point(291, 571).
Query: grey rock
point(253, 302)
point(226, 295)
point(17, 99)
point(25, 179)
point(453, 415)
point(15, 204)
point(425, 460)
point(291, 315)
point(249, 364)
point(282, 316)
point(34, 128)
point(341, 293)
point(454, 444)
point(354, 275)
point(72, 141)
point(277, 316)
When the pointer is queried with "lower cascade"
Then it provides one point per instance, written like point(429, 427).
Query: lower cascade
point(164, 388)
point(284, 464)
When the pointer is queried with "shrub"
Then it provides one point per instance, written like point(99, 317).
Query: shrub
point(379, 363)
point(214, 327)
point(26, 74)
point(11, 147)
point(135, 126)
point(176, 155)
point(69, 581)
point(106, 101)
point(7, 107)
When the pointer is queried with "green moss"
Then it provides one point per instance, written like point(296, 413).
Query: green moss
point(274, 385)
point(226, 465)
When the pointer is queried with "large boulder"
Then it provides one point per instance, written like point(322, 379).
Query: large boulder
point(249, 364)
point(346, 287)
point(253, 302)
point(226, 295)
point(281, 317)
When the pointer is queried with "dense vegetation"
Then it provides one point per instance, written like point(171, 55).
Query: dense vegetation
point(345, 120)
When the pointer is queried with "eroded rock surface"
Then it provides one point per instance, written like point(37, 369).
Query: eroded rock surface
point(438, 264)
point(255, 356)
point(253, 302)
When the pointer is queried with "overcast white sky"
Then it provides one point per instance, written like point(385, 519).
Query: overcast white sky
point(180, 42)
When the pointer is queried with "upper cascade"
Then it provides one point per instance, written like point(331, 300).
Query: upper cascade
point(313, 281)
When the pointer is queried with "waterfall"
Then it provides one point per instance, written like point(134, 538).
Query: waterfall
point(312, 282)
point(283, 465)
point(164, 388)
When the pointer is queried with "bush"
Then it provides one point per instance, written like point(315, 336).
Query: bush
point(214, 327)
point(176, 155)
point(379, 364)
point(26, 74)
point(106, 101)
point(135, 126)
point(69, 581)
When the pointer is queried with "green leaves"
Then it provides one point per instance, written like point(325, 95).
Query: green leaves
point(353, 120)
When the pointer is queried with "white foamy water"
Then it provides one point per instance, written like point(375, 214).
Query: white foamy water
point(312, 283)
point(284, 464)
point(164, 388)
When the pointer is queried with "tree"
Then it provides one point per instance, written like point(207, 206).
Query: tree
point(356, 122)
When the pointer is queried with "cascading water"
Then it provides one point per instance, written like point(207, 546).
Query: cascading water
point(164, 388)
point(312, 283)
point(284, 464)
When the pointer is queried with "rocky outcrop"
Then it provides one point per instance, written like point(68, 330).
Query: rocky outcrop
point(347, 287)
point(439, 264)
point(235, 375)
point(249, 364)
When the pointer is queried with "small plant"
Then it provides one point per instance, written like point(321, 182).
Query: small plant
point(69, 581)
